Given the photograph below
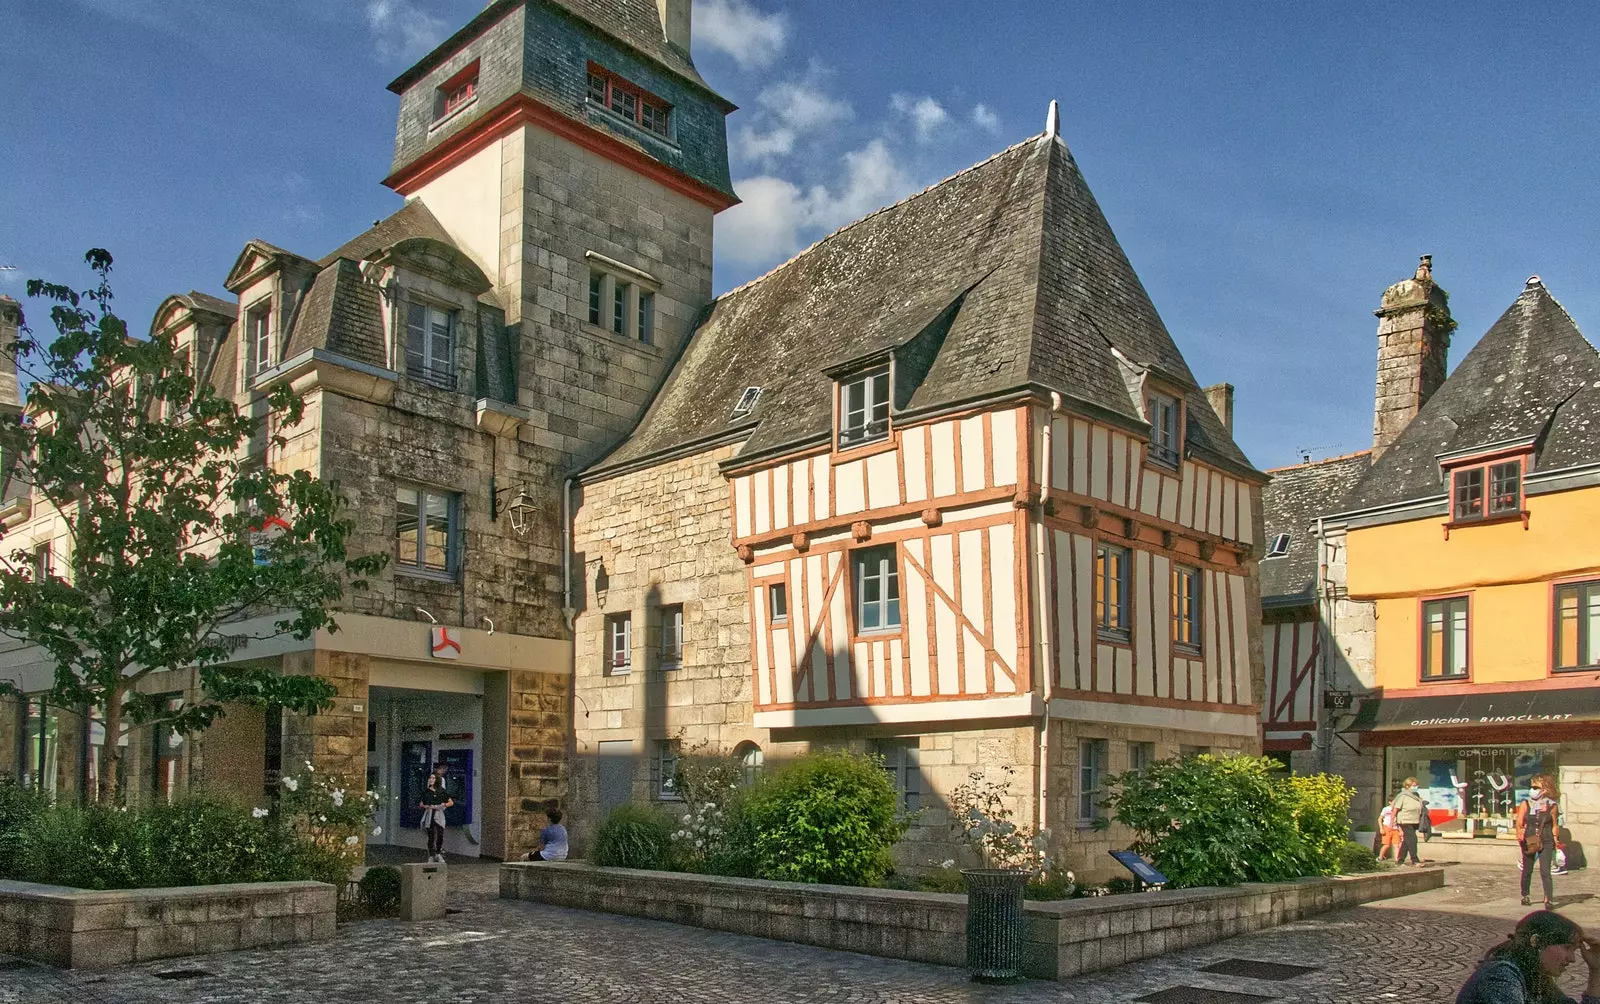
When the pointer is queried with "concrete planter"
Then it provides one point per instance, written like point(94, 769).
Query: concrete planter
point(85, 929)
point(1062, 939)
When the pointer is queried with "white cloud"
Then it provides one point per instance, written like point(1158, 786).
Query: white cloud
point(777, 216)
point(404, 28)
point(752, 38)
point(754, 144)
point(784, 112)
point(926, 114)
point(985, 119)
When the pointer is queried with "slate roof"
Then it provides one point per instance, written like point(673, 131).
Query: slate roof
point(1532, 376)
point(411, 220)
point(211, 304)
point(1291, 504)
point(1014, 261)
point(342, 313)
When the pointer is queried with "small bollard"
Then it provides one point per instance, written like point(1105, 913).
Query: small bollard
point(422, 888)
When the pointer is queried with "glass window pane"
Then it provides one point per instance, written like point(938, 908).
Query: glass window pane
point(619, 308)
point(438, 532)
point(406, 524)
point(1590, 650)
point(1458, 636)
point(595, 280)
point(1567, 623)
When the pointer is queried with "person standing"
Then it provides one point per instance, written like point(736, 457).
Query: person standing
point(434, 801)
point(1407, 808)
point(1388, 835)
point(1537, 820)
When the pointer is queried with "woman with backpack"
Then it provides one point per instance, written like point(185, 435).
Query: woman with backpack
point(1537, 819)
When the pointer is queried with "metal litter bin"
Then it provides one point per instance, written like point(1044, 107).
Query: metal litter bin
point(994, 923)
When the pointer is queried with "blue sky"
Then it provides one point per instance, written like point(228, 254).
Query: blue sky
point(1268, 167)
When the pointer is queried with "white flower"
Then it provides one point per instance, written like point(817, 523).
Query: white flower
point(949, 863)
point(351, 841)
point(338, 797)
point(258, 812)
point(322, 819)
point(699, 843)
point(291, 783)
point(686, 820)
point(377, 831)
point(309, 767)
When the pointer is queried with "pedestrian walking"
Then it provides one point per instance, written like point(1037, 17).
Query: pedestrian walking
point(1408, 809)
point(552, 839)
point(1537, 820)
point(1388, 835)
point(434, 801)
point(1524, 968)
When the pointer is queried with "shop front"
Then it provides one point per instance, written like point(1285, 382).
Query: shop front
point(1474, 754)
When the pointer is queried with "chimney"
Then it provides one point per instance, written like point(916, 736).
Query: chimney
point(10, 322)
point(1221, 397)
point(1414, 328)
point(675, 22)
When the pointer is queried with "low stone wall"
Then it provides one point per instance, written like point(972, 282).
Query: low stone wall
point(1063, 939)
point(85, 929)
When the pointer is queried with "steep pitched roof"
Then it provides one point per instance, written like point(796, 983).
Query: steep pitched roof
point(414, 219)
point(1002, 278)
point(1291, 504)
point(1518, 382)
point(342, 313)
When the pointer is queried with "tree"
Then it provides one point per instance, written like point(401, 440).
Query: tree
point(164, 488)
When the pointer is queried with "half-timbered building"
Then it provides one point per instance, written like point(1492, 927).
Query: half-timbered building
point(941, 486)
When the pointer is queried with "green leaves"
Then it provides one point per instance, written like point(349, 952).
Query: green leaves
point(827, 817)
point(164, 490)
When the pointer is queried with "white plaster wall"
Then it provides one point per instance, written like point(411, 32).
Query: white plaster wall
point(466, 201)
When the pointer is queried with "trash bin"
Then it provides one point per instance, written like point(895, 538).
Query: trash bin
point(994, 923)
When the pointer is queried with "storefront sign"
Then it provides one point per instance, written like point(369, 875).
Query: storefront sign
point(1487, 720)
point(444, 646)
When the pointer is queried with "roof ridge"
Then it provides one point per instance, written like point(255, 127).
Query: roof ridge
point(1324, 460)
point(877, 212)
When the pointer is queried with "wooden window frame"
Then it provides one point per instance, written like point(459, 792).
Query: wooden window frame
point(418, 568)
point(671, 657)
point(616, 93)
point(1166, 455)
point(1120, 633)
point(1192, 619)
point(1422, 639)
point(456, 94)
point(902, 758)
point(424, 370)
point(1092, 771)
point(1556, 589)
point(1485, 468)
point(777, 591)
point(869, 436)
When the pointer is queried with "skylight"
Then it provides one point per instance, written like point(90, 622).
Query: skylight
point(1279, 546)
point(747, 402)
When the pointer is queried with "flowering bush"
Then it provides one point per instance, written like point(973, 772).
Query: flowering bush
point(330, 816)
point(707, 838)
point(984, 820)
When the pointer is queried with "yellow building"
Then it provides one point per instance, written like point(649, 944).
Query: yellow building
point(1472, 539)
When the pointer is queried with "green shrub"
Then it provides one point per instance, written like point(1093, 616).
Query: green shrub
point(826, 817)
point(1209, 820)
point(1355, 858)
point(19, 808)
point(944, 880)
point(1057, 884)
point(380, 888)
point(634, 836)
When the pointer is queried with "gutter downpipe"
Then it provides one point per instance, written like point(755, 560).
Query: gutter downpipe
point(1325, 656)
point(568, 611)
point(1042, 816)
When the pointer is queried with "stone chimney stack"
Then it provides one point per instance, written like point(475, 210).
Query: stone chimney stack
point(675, 22)
point(1221, 397)
point(10, 322)
point(1414, 328)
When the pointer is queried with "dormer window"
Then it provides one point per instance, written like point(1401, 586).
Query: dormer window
point(629, 101)
point(456, 93)
point(258, 338)
point(747, 402)
point(864, 409)
point(431, 345)
point(1486, 491)
point(1165, 442)
point(1279, 546)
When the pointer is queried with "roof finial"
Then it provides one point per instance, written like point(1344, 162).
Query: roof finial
point(1533, 281)
point(1425, 268)
point(1052, 122)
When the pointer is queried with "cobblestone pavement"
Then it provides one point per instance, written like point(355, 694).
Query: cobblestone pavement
point(1416, 950)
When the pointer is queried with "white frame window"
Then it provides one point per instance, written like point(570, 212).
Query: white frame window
point(864, 409)
point(619, 308)
point(434, 523)
point(647, 317)
point(664, 765)
point(619, 644)
point(751, 762)
point(1113, 567)
point(258, 337)
point(902, 758)
point(1279, 546)
point(431, 344)
point(1091, 771)
point(778, 602)
point(1163, 410)
point(671, 637)
point(877, 578)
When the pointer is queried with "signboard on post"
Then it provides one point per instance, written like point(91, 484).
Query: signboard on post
point(1142, 870)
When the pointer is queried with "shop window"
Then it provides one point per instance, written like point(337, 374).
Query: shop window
point(671, 637)
point(664, 770)
point(427, 531)
point(903, 760)
point(619, 644)
point(1162, 412)
point(877, 590)
point(1577, 628)
point(1141, 755)
point(778, 602)
point(1481, 783)
point(1445, 639)
point(864, 409)
point(431, 345)
point(1091, 770)
point(1111, 575)
point(1186, 608)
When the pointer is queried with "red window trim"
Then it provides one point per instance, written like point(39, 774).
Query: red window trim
point(466, 77)
point(1486, 463)
point(1553, 626)
point(641, 96)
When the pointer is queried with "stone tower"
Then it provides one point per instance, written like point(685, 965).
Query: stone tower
point(572, 149)
point(1414, 328)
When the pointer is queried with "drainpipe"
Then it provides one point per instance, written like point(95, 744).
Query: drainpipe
point(1325, 656)
point(567, 609)
point(1046, 641)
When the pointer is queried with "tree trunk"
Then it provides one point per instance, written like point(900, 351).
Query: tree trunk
point(111, 749)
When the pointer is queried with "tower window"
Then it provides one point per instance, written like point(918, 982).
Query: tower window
point(619, 308)
point(629, 101)
point(431, 345)
point(457, 92)
point(596, 286)
point(647, 317)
